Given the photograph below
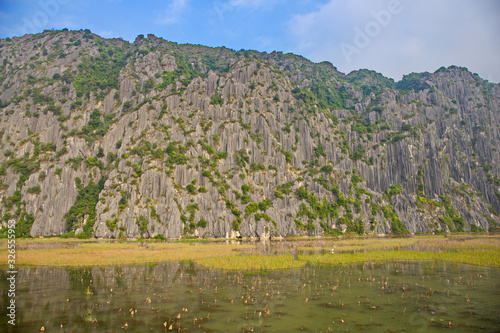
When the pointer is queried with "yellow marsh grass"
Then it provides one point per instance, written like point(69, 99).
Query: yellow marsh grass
point(361, 244)
point(463, 243)
point(474, 257)
point(470, 249)
point(476, 250)
point(101, 254)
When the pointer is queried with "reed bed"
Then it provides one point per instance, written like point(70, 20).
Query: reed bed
point(103, 254)
point(360, 244)
point(471, 249)
point(474, 257)
point(483, 251)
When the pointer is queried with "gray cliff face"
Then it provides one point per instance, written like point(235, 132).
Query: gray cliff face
point(152, 139)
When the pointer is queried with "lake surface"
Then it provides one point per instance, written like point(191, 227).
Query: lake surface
point(184, 297)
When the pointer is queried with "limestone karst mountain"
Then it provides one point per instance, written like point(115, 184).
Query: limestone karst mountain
point(106, 138)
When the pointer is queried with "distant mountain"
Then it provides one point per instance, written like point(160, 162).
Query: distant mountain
point(106, 138)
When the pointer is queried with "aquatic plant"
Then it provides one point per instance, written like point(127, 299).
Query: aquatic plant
point(471, 249)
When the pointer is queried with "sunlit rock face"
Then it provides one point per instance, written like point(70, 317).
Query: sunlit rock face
point(154, 139)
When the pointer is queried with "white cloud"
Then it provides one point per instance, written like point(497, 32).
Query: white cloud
point(254, 4)
point(172, 14)
point(105, 33)
point(422, 36)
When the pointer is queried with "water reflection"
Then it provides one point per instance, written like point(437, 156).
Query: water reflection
point(183, 297)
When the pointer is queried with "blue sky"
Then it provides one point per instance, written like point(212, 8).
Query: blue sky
point(394, 37)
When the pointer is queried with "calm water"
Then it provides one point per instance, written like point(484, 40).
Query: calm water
point(381, 297)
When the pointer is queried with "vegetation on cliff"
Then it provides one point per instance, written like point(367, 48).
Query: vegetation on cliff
point(106, 138)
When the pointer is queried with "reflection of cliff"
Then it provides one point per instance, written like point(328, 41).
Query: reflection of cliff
point(193, 299)
point(38, 295)
point(51, 296)
point(129, 277)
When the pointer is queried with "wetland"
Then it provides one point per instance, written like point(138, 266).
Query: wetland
point(413, 284)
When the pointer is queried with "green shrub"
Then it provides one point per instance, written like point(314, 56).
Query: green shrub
point(475, 228)
point(236, 224)
point(23, 226)
point(413, 81)
point(357, 155)
point(394, 190)
point(406, 127)
point(327, 169)
point(93, 162)
point(398, 228)
point(355, 179)
point(112, 224)
point(257, 166)
point(184, 70)
point(159, 237)
point(122, 204)
point(142, 223)
point(265, 204)
point(251, 208)
point(319, 151)
point(191, 189)
point(85, 203)
point(34, 190)
point(100, 72)
point(202, 223)
point(264, 216)
point(357, 228)
point(216, 99)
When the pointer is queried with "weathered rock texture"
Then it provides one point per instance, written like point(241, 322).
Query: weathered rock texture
point(107, 138)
